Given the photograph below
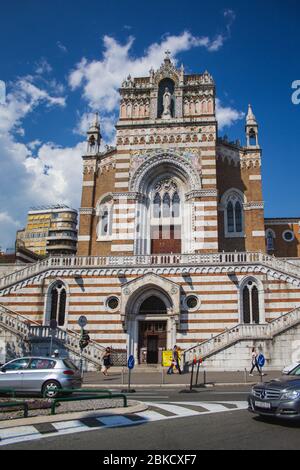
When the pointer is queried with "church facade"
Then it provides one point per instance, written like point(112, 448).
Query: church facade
point(173, 245)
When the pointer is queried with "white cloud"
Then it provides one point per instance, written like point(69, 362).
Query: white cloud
point(23, 179)
point(227, 116)
point(24, 98)
point(62, 47)
point(43, 67)
point(101, 79)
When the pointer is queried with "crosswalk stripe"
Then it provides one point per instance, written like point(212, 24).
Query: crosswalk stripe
point(149, 415)
point(213, 407)
point(175, 409)
point(22, 432)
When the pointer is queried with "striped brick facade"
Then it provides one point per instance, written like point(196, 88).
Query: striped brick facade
point(214, 274)
point(218, 309)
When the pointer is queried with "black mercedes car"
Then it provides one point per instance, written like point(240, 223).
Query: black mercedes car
point(279, 398)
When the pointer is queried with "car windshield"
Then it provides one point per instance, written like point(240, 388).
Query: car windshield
point(296, 371)
point(70, 364)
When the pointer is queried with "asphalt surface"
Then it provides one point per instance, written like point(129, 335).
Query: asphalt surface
point(234, 430)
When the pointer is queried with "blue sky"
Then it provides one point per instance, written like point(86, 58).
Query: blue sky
point(62, 60)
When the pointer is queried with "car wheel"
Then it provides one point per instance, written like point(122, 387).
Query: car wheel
point(51, 389)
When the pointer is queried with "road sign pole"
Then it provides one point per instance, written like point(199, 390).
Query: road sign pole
point(129, 380)
point(81, 355)
point(130, 365)
point(51, 344)
point(198, 370)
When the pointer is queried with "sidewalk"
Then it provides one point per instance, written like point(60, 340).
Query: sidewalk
point(159, 378)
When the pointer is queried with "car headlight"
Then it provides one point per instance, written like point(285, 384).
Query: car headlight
point(291, 395)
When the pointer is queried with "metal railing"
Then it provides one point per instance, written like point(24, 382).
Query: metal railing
point(265, 331)
point(16, 404)
point(217, 259)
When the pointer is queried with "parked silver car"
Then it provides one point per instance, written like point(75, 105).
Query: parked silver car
point(40, 375)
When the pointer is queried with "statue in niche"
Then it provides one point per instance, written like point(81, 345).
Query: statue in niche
point(167, 104)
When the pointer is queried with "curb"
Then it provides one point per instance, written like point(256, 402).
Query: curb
point(187, 386)
point(140, 407)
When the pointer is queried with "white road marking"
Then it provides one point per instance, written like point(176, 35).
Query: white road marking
point(21, 434)
point(175, 408)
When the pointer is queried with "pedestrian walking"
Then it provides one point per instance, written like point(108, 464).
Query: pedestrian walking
point(175, 361)
point(106, 361)
point(255, 362)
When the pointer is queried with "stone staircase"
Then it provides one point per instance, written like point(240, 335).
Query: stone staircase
point(33, 333)
point(242, 332)
point(281, 269)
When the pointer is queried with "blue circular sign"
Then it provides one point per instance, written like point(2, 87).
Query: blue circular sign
point(261, 360)
point(131, 362)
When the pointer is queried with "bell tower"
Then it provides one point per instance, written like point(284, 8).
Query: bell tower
point(94, 137)
point(251, 129)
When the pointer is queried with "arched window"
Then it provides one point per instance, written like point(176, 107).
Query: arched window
point(166, 223)
point(253, 140)
point(251, 304)
point(104, 222)
point(105, 217)
point(58, 301)
point(270, 240)
point(232, 203)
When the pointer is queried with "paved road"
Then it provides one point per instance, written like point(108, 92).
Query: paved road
point(209, 419)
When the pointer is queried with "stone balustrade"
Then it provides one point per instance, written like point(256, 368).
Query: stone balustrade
point(122, 262)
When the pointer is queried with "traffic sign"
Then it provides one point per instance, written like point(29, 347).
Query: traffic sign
point(82, 322)
point(131, 363)
point(261, 360)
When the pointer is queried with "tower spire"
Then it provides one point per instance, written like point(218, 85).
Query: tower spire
point(251, 128)
point(94, 136)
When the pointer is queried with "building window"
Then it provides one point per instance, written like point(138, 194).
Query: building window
point(113, 303)
point(251, 310)
point(58, 301)
point(288, 236)
point(232, 203)
point(104, 221)
point(270, 240)
point(191, 303)
point(105, 214)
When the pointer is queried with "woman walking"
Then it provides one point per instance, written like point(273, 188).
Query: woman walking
point(255, 363)
point(175, 361)
point(106, 361)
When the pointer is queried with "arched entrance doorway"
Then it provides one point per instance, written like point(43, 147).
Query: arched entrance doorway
point(152, 332)
point(150, 306)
